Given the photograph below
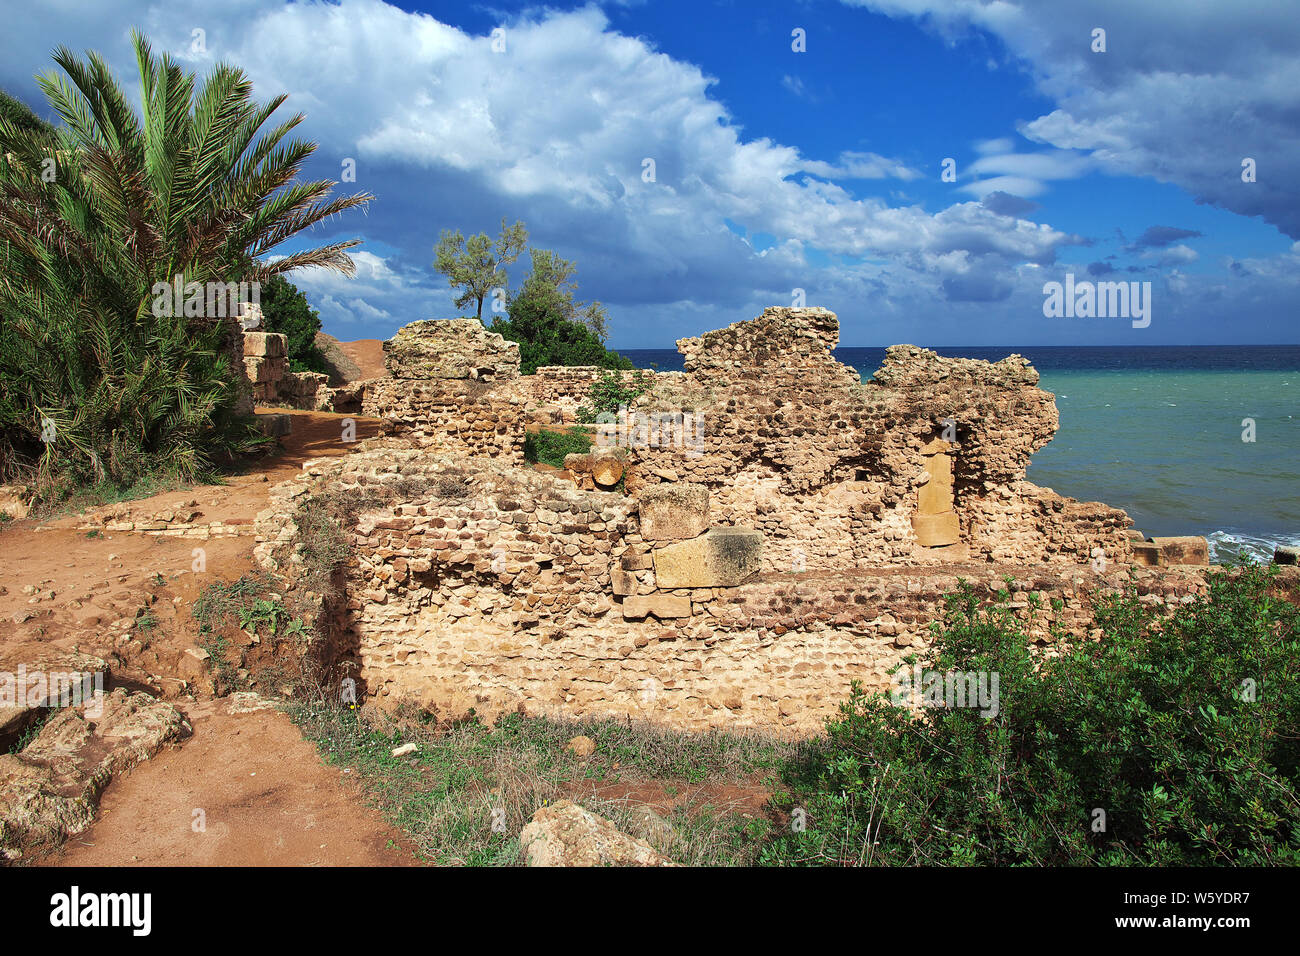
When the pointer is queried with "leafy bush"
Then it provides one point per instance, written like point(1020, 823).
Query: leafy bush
point(286, 310)
point(98, 386)
point(609, 393)
point(545, 337)
point(1185, 731)
point(550, 447)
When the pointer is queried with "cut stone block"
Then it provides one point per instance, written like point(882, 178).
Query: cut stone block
point(673, 512)
point(1184, 549)
point(274, 425)
point(724, 557)
point(934, 531)
point(1146, 554)
point(935, 496)
point(623, 582)
point(637, 562)
point(662, 606)
point(266, 344)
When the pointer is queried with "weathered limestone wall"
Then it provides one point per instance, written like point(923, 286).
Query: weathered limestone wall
point(266, 363)
point(450, 415)
point(557, 391)
point(838, 473)
point(453, 389)
point(450, 348)
point(494, 588)
point(804, 538)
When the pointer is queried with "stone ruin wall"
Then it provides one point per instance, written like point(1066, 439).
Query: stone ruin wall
point(489, 588)
point(558, 390)
point(808, 542)
point(266, 366)
point(838, 473)
point(452, 389)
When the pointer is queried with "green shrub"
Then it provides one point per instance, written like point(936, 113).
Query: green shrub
point(1185, 731)
point(609, 393)
point(545, 337)
point(286, 310)
point(550, 447)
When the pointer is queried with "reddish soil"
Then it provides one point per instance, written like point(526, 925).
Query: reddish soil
point(368, 354)
point(267, 796)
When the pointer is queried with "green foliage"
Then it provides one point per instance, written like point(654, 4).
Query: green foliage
point(549, 287)
point(545, 337)
point(550, 447)
point(609, 393)
point(270, 617)
point(16, 112)
point(286, 310)
point(1154, 724)
point(477, 264)
point(94, 215)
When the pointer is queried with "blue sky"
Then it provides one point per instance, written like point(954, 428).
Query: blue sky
point(778, 170)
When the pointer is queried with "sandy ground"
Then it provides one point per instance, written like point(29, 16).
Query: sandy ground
point(267, 797)
point(245, 790)
point(368, 354)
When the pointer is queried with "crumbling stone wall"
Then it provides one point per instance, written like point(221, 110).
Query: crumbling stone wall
point(450, 348)
point(807, 539)
point(924, 464)
point(265, 362)
point(452, 389)
point(450, 415)
point(493, 588)
point(559, 390)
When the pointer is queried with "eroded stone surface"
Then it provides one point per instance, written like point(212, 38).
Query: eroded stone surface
point(673, 512)
point(724, 557)
point(450, 348)
point(50, 789)
point(565, 834)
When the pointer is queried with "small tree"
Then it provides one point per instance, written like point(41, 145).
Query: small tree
point(545, 337)
point(551, 284)
point(286, 310)
point(477, 264)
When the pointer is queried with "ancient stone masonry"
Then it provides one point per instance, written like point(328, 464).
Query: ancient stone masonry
point(450, 348)
point(559, 391)
point(807, 540)
point(451, 390)
point(475, 585)
point(921, 465)
point(265, 362)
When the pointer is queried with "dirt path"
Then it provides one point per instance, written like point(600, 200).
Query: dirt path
point(268, 798)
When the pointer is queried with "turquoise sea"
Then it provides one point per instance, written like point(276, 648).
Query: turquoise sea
point(1157, 431)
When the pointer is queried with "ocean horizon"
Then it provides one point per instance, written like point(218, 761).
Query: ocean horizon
point(1158, 430)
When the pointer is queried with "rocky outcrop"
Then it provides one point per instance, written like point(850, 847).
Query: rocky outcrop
point(50, 789)
point(565, 834)
point(451, 348)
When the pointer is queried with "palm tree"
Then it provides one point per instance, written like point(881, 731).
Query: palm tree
point(94, 213)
